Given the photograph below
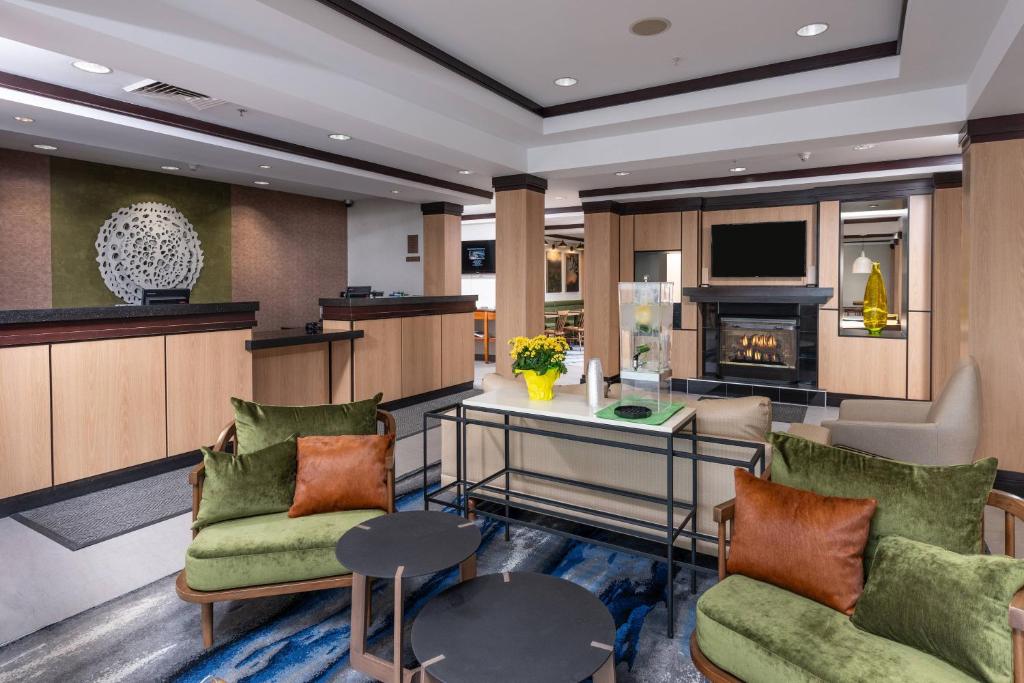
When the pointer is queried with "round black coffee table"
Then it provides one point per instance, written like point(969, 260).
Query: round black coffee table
point(515, 627)
point(399, 546)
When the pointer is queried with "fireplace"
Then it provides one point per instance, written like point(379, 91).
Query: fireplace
point(759, 348)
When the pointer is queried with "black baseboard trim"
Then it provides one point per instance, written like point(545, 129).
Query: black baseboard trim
point(428, 396)
point(801, 395)
point(73, 489)
point(1011, 482)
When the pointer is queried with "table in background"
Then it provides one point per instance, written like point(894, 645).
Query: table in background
point(486, 316)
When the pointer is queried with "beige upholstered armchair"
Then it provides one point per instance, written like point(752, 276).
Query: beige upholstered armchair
point(944, 432)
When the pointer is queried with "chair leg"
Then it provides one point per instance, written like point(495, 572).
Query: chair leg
point(206, 622)
point(606, 674)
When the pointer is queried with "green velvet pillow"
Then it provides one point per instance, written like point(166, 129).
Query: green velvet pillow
point(948, 605)
point(937, 505)
point(247, 485)
point(258, 426)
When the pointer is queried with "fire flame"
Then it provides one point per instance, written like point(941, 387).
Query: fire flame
point(759, 348)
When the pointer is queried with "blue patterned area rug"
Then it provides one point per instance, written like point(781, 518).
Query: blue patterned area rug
point(151, 635)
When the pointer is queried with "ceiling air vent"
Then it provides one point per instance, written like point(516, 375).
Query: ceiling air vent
point(165, 91)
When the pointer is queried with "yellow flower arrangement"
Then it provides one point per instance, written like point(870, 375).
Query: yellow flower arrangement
point(539, 354)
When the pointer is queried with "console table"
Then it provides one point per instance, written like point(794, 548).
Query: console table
point(493, 496)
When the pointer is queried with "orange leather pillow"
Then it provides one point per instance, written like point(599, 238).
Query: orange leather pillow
point(809, 544)
point(341, 473)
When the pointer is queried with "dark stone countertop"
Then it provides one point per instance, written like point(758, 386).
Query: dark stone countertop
point(297, 337)
point(128, 312)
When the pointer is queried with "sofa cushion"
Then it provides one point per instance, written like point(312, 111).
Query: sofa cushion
point(342, 473)
point(759, 632)
point(937, 505)
point(812, 545)
point(748, 418)
point(268, 549)
point(258, 426)
point(246, 485)
point(952, 606)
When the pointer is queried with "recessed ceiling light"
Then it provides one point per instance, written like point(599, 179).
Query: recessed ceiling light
point(737, 169)
point(261, 182)
point(24, 119)
point(559, 197)
point(395, 191)
point(91, 67)
point(650, 27)
point(566, 81)
point(264, 165)
point(171, 168)
point(339, 136)
point(622, 173)
point(465, 172)
point(864, 146)
point(811, 30)
point(872, 206)
point(48, 148)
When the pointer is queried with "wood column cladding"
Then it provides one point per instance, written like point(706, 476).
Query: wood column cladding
point(950, 261)
point(108, 404)
point(24, 419)
point(442, 240)
point(601, 233)
point(993, 206)
point(520, 274)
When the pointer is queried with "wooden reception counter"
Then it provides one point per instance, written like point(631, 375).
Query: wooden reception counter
point(90, 391)
point(411, 345)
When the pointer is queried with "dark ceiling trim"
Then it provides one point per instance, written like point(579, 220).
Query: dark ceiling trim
point(374, 21)
point(755, 73)
point(547, 212)
point(354, 10)
point(567, 226)
point(64, 94)
point(520, 181)
point(438, 208)
point(948, 179)
point(867, 167)
point(992, 129)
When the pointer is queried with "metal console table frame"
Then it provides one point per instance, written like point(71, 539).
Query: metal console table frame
point(458, 493)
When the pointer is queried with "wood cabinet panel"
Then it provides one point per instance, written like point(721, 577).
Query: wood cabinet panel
point(691, 265)
point(341, 371)
point(24, 419)
point(859, 365)
point(457, 348)
point(421, 354)
point(626, 248)
point(291, 375)
point(949, 289)
point(828, 250)
point(919, 356)
point(204, 370)
point(684, 354)
point(108, 406)
point(378, 359)
point(920, 247)
point(657, 232)
point(805, 212)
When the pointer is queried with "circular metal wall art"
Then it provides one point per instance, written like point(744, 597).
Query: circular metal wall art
point(148, 246)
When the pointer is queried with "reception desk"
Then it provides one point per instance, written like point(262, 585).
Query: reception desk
point(89, 391)
point(411, 346)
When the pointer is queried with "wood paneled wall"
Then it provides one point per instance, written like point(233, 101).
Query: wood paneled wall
point(806, 212)
point(442, 261)
point(520, 276)
point(993, 211)
point(949, 285)
point(601, 232)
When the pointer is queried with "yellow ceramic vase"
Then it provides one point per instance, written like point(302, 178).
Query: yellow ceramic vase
point(876, 307)
point(541, 387)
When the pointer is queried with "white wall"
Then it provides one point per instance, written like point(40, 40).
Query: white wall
point(377, 231)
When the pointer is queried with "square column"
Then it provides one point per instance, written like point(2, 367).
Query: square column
point(601, 284)
point(442, 240)
point(519, 262)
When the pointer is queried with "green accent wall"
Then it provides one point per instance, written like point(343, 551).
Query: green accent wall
point(83, 195)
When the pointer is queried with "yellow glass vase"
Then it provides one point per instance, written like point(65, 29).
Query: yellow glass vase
point(876, 307)
point(541, 387)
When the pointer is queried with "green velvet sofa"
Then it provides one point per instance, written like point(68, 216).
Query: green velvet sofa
point(747, 630)
point(267, 555)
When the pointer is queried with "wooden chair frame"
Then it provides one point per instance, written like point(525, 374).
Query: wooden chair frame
point(1013, 509)
point(205, 599)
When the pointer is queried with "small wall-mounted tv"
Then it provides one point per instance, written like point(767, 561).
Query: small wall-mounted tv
point(478, 257)
point(759, 249)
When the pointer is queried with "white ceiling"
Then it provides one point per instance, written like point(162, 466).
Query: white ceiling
point(303, 70)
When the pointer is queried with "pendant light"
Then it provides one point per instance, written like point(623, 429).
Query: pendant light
point(862, 264)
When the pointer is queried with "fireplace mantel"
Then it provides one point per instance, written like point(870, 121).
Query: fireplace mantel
point(758, 294)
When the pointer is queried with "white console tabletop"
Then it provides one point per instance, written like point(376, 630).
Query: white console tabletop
point(571, 407)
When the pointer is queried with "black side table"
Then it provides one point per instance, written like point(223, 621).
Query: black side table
point(515, 627)
point(400, 546)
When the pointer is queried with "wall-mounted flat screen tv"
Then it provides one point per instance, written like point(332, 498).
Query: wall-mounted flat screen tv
point(478, 257)
point(759, 249)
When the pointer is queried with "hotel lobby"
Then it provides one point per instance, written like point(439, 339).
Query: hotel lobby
point(511, 343)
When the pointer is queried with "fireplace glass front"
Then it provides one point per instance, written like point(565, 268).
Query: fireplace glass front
point(758, 348)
